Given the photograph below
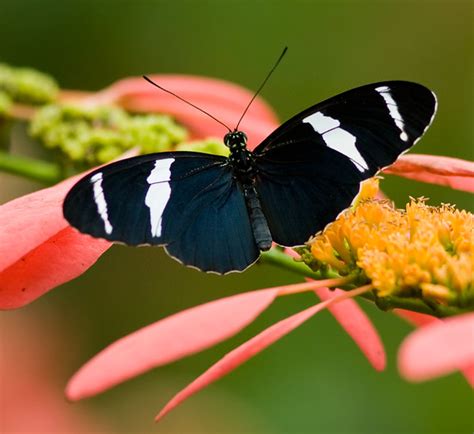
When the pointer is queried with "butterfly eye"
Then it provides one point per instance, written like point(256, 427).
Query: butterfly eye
point(243, 136)
point(228, 139)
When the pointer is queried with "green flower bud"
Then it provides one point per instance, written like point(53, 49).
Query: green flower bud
point(25, 85)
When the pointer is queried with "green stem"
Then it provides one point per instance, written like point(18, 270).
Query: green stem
point(278, 258)
point(408, 303)
point(37, 170)
point(419, 305)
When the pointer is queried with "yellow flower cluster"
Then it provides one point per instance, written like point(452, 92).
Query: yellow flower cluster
point(422, 251)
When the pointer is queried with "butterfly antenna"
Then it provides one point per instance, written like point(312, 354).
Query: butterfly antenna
point(261, 86)
point(182, 99)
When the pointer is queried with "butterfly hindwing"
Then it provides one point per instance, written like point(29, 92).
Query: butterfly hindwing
point(186, 200)
point(219, 238)
point(311, 167)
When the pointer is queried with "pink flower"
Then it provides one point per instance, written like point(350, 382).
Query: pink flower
point(40, 251)
point(195, 329)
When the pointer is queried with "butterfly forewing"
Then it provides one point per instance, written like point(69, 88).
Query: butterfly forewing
point(297, 202)
point(311, 167)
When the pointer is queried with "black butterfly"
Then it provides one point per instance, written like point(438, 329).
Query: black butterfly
point(216, 214)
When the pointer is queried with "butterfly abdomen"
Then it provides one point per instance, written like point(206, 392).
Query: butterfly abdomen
point(244, 170)
point(260, 229)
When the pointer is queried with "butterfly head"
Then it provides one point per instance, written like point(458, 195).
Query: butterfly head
point(235, 139)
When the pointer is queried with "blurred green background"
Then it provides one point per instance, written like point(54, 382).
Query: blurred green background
point(315, 380)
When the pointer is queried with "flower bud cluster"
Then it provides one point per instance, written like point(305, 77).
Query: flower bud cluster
point(91, 135)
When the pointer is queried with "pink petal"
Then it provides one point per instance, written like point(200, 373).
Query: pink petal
point(438, 349)
point(358, 326)
point(451, 172)
point(30, 221)
point(415, 318)
point(170, 339)
point(226, 101)
point(355, 322)
point(190, 87)
point(250, 349)
point(421, 320)
point(468, 373)
point(39, 248)
point(61, 258)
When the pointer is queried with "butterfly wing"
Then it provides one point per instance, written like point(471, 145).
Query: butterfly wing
point(310, 168)
point(187, 201)
point(219, 238)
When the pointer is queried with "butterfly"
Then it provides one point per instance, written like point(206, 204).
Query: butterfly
point(218, 213)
